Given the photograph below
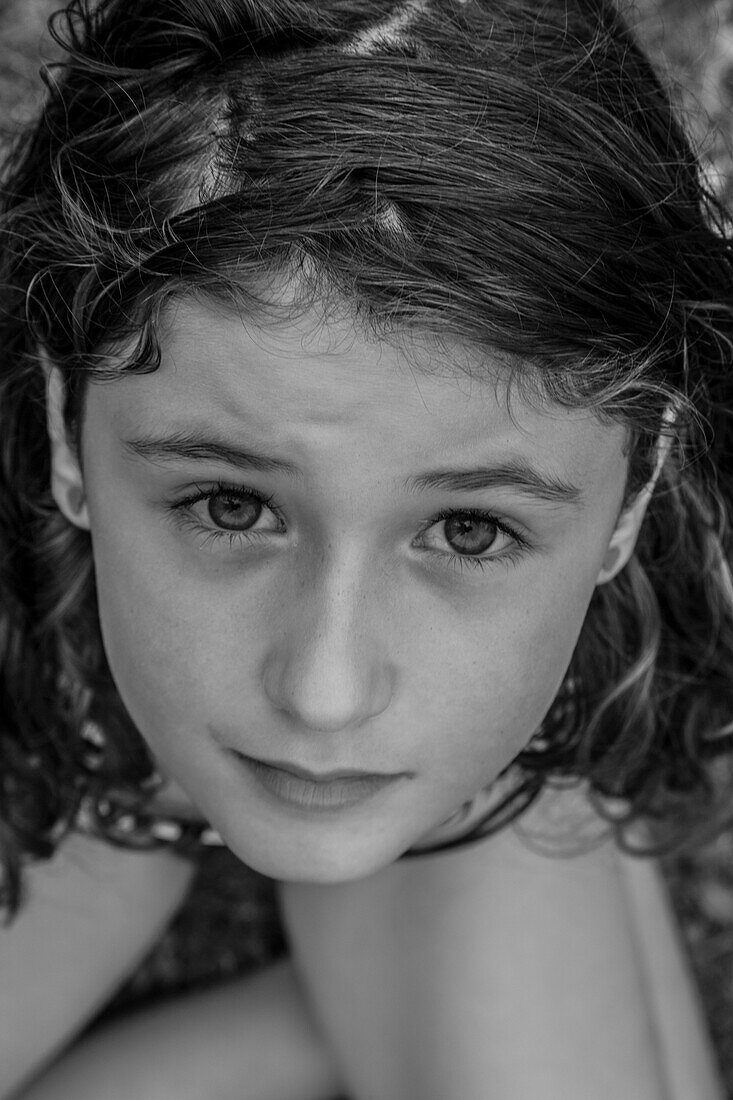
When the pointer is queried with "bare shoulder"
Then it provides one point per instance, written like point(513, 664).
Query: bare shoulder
point(88, 877)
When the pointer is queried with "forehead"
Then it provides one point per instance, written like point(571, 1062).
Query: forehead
point(315, 382)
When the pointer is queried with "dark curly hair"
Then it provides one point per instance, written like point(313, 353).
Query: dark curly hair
point(509, 172)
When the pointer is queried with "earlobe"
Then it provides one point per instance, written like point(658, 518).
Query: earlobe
point(67, 483)
point(611, 563)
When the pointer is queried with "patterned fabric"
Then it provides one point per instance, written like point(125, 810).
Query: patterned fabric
point(119, 823)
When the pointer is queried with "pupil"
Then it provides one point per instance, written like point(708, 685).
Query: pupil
point(470, 534)
point(234, 513)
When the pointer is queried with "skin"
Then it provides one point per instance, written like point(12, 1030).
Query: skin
point(348, 631)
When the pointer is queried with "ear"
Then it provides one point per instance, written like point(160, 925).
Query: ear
point(67, 482)
point(624, 538)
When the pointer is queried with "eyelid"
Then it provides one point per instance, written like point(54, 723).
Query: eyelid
point(507, 526)
point(206, 492)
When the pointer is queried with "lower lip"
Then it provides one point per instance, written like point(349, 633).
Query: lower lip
point(332, 794)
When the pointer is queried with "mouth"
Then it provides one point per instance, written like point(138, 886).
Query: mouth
point(334, 790)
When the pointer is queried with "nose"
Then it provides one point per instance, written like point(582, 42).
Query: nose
point(330, 670)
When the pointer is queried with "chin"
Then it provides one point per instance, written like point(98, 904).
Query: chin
point(320, 867)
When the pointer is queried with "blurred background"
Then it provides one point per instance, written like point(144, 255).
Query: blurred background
point(230, 922)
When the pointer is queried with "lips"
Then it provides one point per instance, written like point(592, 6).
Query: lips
point(319, 777)
point(332, 790)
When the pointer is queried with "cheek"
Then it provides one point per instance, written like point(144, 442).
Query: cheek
point(484, 686)
point(167, 637)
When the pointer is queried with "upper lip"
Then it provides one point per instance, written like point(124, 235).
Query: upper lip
point(321, 777)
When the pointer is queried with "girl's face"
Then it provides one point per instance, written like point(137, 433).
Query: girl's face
point(315, 557)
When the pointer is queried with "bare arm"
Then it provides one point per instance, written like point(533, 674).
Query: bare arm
point(497, 973)
point(91, 913)
point(251, 1039)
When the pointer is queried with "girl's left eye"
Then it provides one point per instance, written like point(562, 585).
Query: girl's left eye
point(472, 538)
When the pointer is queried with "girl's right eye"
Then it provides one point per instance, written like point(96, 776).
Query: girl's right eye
point(231, 512)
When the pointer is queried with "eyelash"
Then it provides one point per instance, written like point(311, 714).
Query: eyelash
point(181, 510)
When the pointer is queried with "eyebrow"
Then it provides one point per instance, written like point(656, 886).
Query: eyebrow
point(194, 446)
point(512, 474)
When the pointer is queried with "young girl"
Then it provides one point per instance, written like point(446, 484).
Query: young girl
point(365, 488)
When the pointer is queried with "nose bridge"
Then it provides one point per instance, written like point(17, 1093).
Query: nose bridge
point(331, 668)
